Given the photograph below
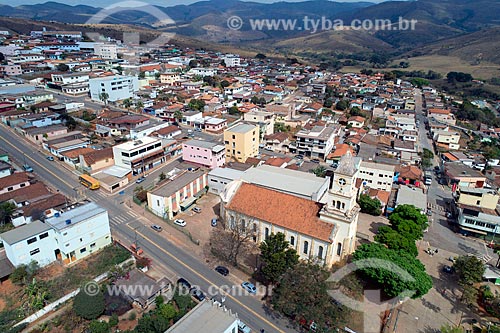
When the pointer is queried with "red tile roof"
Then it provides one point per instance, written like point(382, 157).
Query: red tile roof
point(281, 209)
point(98, 155)
point(14, 179)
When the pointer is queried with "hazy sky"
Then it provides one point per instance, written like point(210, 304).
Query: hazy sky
point(165, 3)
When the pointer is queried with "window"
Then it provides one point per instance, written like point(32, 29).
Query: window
point(31, 240)
point(320, 252)
point(266, 234)
point(22, 185)
point(92, 245)
point(35, 251)
point(243, 225)
point(10, 188)
point(292, 240)
point(83, 250)
point(339, 249)
point(44, 235)
point(306, 247)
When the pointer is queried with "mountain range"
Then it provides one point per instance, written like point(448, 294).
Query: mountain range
point(440, 28)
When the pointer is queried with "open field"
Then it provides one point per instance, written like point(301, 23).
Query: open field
point(443, 65)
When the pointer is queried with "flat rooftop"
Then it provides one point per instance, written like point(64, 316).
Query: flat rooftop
point(177, 183)
point(76, 215)
point(204, 144)
point(411, 196)
point(207, 316)
point(24, 232)
point(242, 128)
point(227, 173)
point(285, 180)
point(129, 145)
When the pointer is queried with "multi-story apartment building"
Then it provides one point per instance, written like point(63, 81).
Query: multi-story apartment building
point(316, 142)
point(67, 237)
point(242, 142)
point(204, 153)
point(442, 115)
point(477, 211)
point(231, 60)
point(106, 51)
point(177, 194)
point(376, 175)
point(117, 87)
point(139, 155)
point(447, 139)
point(264, 119)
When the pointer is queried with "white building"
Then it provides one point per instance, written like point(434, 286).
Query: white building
point(67, 236)
point(317, 142)
point(231, 60)
point(324, 233)
point(139, 155)
point(34, 241)
point(203, 71)
point(376, 175)
point(207, 316)
point(118, 87)
point(106, 51)
point(80, 231)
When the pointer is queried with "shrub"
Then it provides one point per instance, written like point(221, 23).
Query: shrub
point(89, 306)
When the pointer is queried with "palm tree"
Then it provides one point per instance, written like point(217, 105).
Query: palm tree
point(127, 103)
point(178, 115)
point(104, 97)
point(139, 105)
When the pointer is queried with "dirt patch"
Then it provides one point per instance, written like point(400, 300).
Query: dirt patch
point(10, 293)
point(51, 271)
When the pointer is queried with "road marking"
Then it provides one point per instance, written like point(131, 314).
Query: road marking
point(205, 279)
point(37, 163)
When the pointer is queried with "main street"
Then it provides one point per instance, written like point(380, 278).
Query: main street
point(126, 225)
point(440, 233)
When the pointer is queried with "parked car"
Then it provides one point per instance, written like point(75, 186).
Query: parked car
point(243, 328)
point(140, 180)
point(197, 293)
point(315, 160)
point(184, 283)
point(50, 158)
point(214, 222)
point(299, 157)
point(248, 286)
point(180, 222)
point(222, 270)
point(447, 269)
point(156, 227)
point(197, 209)
point(27, 168)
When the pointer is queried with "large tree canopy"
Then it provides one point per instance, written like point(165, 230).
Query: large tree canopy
point(277, 257)
point(398, 272)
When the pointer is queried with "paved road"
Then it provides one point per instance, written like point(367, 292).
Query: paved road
point(440, 234)
point(126, 225)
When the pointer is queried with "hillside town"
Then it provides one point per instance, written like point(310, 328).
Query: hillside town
point(148, 150)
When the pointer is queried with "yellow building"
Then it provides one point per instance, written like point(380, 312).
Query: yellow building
point(478, 197)
point(242, 142)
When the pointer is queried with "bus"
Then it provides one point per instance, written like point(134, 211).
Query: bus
point(89, 182)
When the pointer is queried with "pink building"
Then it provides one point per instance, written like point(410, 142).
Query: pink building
point(215, 125)
point(204, 153)
point(11, 70)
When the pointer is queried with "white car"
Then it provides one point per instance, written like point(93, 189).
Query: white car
point(180, 222)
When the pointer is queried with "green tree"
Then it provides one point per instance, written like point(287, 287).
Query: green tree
point(408, 220)
point(97, 326)
point(104, 97)
point(319, 171)
point(167, 311)
point(178, 115)
point(277, 257)
point(162, 176)
point(139, 105)
point(196, 104)
point(260, 56)
point(233, 110)
point(369, 205)
point(469, 295)
point(62, 67)
point(397, 272)
point(7, 208)
point(396, 241)
point(302, 295)
point(88, 306)
point(224, 83)
point(451, 329)
point(127, 103)
point(142, 75)
point(470, 269)
point(342, 105)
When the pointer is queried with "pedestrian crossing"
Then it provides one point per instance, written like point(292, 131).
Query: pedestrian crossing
point(123, 218)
